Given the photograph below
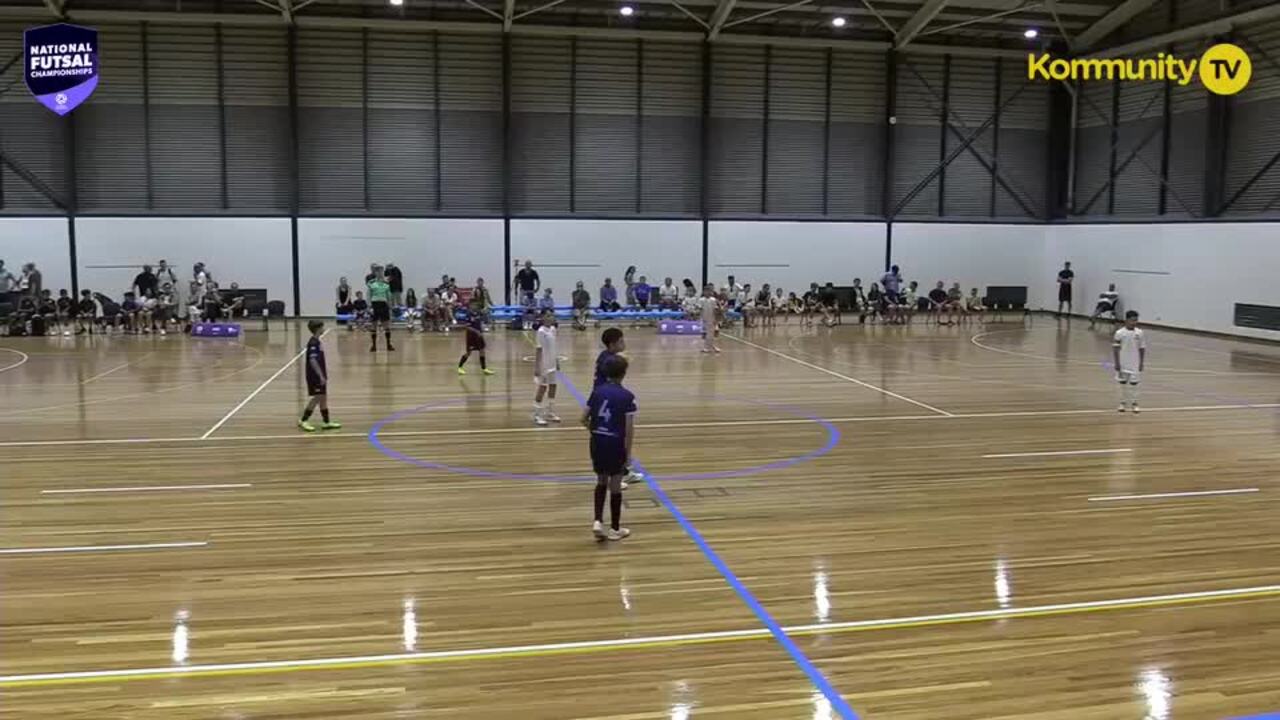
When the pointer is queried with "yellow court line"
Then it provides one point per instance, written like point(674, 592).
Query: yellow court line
point(598, 646)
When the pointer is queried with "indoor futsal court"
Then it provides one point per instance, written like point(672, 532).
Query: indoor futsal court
point(652, 360)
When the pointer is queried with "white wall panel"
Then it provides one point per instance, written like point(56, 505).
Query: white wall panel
point(42, 241)
point(978, 255)
point(254, 252)
point(1186, 275)
point(425, 249)
point(791, 255)
point(566, 251)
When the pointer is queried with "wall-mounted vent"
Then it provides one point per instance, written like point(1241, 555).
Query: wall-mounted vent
point(1262, 317)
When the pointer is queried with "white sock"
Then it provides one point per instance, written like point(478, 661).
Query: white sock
point(1133, 394)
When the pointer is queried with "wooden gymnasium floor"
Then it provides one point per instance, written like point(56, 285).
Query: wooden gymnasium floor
point(943, 521)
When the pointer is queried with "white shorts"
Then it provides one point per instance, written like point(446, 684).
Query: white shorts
point(1132, 377)
point(545, 377)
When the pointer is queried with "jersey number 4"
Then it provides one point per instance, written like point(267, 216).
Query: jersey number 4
point(604, 414)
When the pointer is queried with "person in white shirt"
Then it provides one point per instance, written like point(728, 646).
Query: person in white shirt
point(546, 364)
point(1107, 301)
point(669, 295)
point(731, 291)
point(1130, 348)
point(708, 306)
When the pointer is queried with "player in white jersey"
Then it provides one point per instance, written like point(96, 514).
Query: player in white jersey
point(1130, 349)
point(546, 364)
point(708, 307)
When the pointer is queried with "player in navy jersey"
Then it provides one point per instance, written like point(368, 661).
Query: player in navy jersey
point(475, 343)
point(317, 381)
point(614, 344)
point(610, 416)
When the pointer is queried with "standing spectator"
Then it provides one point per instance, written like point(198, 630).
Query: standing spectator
point(629, 281)
point(395, 279)
point(669, 295)
point(859, 300)
point(373, 273)
point(7, 283)
point(609, 297)
point(527, 283)
point(891, 283)
point(32, 282)
point(145, 283)
point(581, 305)
point(199, 284)
point(165, 274)
point(1065, 278)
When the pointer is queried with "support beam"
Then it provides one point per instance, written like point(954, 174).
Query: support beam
point(34, 181)
point(923, 16)
point(1210, 28)
point(1109, 23)
point(508, 14)
point(719, 16)
point(55, 7)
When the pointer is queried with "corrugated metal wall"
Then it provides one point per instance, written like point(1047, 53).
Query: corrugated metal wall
point(192, 118)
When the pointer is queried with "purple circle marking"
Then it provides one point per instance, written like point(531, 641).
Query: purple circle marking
point(833, 438)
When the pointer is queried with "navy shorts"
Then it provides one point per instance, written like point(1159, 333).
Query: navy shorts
point(316, 388)
point(608, 455)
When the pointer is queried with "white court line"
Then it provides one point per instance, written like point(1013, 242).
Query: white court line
point(146, 488)
point(23, 361)
point(1197, 493)
point(620, 643)
point(835, 374)
point(99, 548)
point(121, 366)
point(1060, 452)
point(260, 388)
point(712, 423)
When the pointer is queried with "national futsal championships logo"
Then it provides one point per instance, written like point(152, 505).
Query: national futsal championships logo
point(1223, 69)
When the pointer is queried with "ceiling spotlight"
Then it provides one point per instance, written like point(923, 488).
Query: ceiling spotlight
point(1031, 33)
point(626, 11)
point(838, 21)
point(396, 3)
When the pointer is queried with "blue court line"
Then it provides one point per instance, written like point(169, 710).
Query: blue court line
point(1268, 716)
point(838, 703)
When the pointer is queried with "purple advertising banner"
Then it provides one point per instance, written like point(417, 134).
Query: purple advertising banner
point(61, 65)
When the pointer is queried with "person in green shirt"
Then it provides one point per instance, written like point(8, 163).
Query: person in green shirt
point(380, 306)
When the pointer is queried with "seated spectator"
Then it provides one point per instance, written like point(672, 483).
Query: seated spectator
point(764, 304)
point(812, 304)
point(66, 312)
point(166, 309)
point(641, 290)
point(746, 303)
point(432, 318)
point(481, 302)
point(690, 290)
point(859, 300)
point(360, 311)
point(1108, 301)
point(669, 295)
point(546, 302)
point(112, 315)
point(609, 297)
point(86, 313)
point(581, 306)
point(131, 310)
point(411, 299)
point(46, 318)
point(973, 304)
point(876, 302)
point(939, 303)
point(449, 303)
point(342, 305)
point(830, 305)
point(910, 302)
point(233, 302)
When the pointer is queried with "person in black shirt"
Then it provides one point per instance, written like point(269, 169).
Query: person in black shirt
point(146, 283)
point(66, 311)
point(939, 301)
point(86, 313)
point(830, 305)
point(1065, 278)
point(317, 381)
point(233, 301)
point(527, 283)
point(395, 278)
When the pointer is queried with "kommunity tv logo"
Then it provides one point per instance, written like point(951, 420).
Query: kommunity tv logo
point(1223, 69)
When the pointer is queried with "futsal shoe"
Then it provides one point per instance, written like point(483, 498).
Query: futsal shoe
point(487, 371)
point(1122, 408)
point(306, 426)
point(462, 371)
point(539, 420)
point(331, 426)
point(618, 534)
point(1135, 409)
point(552, 417)
point(597, 529)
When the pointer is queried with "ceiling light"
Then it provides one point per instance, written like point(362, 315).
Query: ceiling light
point(1031, 33)
point(838, 21)
point(396, 3)
point(626, 11)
